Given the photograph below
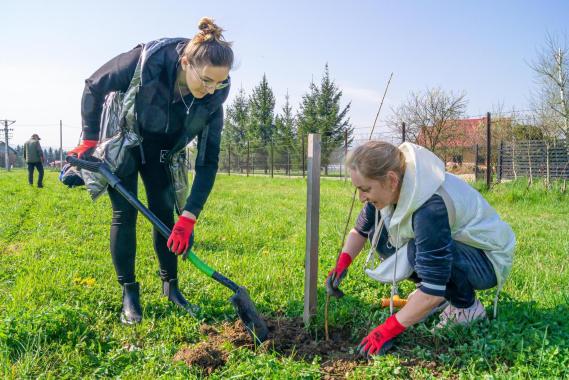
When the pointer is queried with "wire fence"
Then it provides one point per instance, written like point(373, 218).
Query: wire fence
point(547, 159)
point(282, 160)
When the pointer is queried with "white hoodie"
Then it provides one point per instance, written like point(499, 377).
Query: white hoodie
point(472, 220)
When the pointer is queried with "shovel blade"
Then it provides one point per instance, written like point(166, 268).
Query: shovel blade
point(247, 311)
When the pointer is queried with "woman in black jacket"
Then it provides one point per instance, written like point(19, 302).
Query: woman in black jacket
point(183, 84)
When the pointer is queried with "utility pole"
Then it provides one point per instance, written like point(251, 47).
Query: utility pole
point(6, 140)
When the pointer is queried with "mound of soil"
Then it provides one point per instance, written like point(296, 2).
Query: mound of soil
point(204, 355)
point(287, 337)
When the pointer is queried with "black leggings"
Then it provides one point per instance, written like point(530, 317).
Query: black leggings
point(160, 195)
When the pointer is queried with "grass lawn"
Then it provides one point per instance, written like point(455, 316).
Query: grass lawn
point(60, 301)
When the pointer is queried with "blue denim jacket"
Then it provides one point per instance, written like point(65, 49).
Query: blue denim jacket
point(432, 248)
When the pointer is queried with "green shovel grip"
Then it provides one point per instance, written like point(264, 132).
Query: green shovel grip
point(203, 267)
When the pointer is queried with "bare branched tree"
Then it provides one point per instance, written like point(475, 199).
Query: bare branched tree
point(552, 69)
point(429, 117)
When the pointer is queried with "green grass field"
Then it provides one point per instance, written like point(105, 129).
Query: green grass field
point(60, 302)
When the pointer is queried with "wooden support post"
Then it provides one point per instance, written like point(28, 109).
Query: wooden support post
point(312, 221)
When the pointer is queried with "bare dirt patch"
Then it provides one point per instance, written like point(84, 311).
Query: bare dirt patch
point(287, 337)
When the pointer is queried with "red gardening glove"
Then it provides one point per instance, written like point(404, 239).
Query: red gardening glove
point(379, 339)
point(85, 148)
point(179, 239)
point(337, 274)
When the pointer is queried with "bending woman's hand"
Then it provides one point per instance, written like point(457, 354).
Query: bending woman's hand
point(179, 240)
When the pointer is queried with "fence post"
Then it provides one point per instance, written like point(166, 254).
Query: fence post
point(272, 160)
point(488, 152)
point(476, 163)
point(248, 157)
point(288, 162)
point(500, 153)
point(403, 132)
point(302, 137)
point(229, 159)
point(547, 178)
point(312, 219)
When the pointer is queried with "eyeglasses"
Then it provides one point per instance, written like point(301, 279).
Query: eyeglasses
point(208, 83)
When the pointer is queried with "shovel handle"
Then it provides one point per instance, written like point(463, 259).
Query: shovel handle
point(115, 183)
point(196, 261)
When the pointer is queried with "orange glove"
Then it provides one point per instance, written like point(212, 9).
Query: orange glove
point(84, 149)
point(179, 240)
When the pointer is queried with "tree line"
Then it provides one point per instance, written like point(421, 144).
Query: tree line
point(49, 155)
point(251, 121)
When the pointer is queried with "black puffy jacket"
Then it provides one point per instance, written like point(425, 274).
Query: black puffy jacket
point(154, 107)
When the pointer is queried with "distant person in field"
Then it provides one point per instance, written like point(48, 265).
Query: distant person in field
point(445, 236)
point(33, 155)
point(184, 84)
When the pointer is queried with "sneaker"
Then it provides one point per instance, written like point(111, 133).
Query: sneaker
point(462, 316)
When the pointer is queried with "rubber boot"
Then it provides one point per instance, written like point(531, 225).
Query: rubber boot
point(170, 289)
point(131, 309)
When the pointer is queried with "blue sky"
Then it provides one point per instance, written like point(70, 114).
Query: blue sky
point(479, 47)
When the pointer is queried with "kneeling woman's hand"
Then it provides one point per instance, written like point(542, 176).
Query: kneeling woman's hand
point(337, 274)
point(179, 240)
point(379, 339)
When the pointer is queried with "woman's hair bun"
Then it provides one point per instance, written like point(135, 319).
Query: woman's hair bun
point(208, 30)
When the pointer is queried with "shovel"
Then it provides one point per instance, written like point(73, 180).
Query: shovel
point(241, 301)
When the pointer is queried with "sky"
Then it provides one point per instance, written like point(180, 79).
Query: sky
point(482, 48)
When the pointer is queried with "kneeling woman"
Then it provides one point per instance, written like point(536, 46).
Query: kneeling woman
point(447, 238)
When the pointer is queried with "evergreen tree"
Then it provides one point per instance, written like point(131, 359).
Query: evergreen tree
point(235, 131)
point(261, 106)
point(285, 134)
point(320, 112)
point(261, 127)
point(334, 122)
point(237, 122)
point(19, 156)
